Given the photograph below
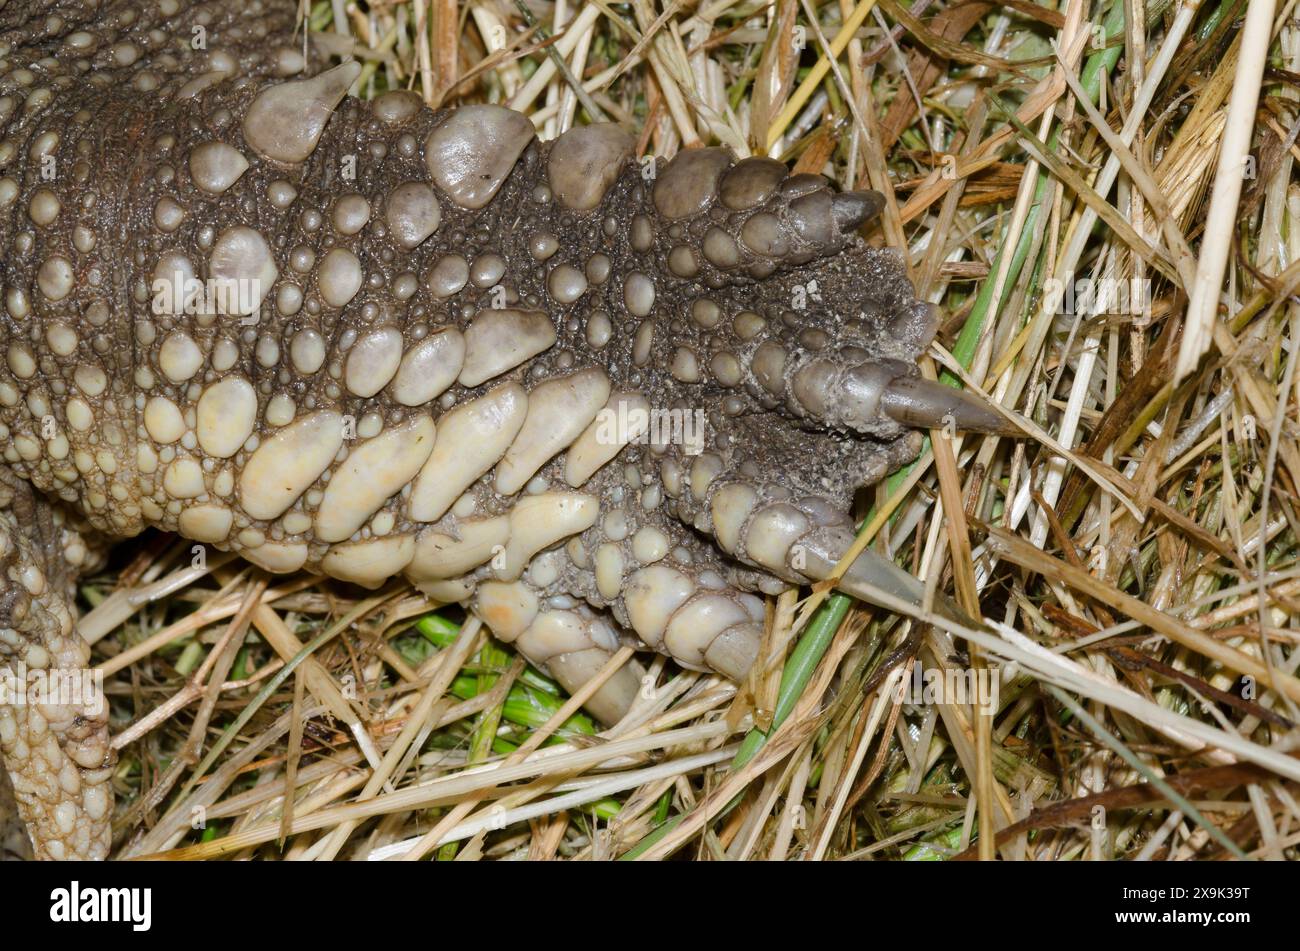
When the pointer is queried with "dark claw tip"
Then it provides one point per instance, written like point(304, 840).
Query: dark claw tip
point(926, 404)
point(854, 209)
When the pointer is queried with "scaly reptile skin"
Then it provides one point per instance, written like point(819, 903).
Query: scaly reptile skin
point(435, 324)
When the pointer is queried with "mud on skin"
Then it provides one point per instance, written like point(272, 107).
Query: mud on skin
point(430, 313)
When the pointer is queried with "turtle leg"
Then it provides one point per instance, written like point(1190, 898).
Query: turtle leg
point(53, 715)
point(14, 844)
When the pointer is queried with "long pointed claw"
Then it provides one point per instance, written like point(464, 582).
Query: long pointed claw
point(926, 404)
point(851, 210)
point(872, 574)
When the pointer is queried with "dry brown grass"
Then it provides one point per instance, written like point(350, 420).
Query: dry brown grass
point(1134, 555)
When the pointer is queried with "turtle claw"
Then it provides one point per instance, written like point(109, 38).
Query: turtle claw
point(871, 575)
point(927, 404)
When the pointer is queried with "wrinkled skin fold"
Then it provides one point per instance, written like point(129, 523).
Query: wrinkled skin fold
point(596, 399)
